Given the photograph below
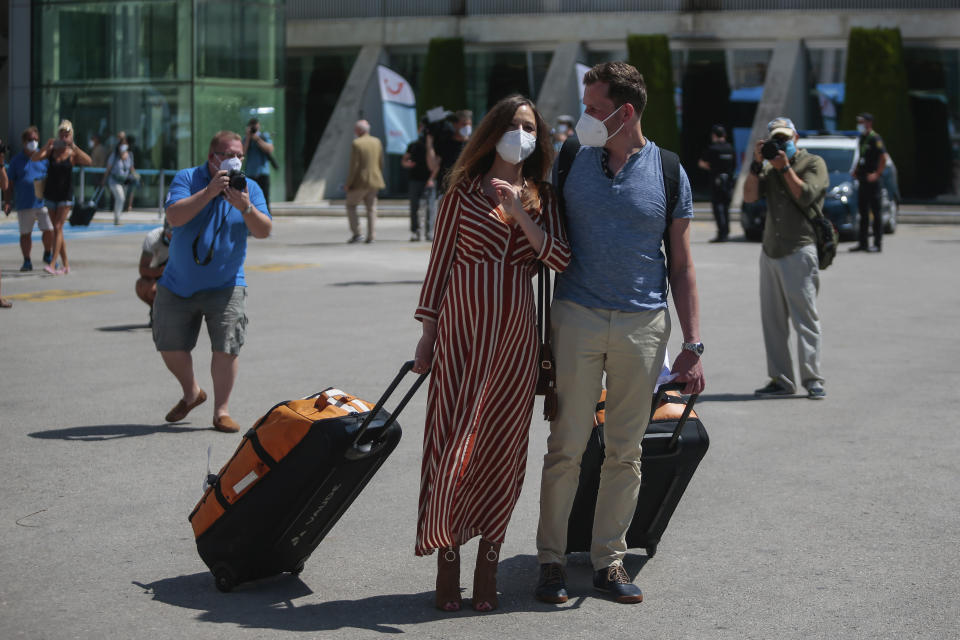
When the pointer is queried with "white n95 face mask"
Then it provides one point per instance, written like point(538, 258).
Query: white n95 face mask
point(231, 164)
point(31, 145)
point(516, 145)
point(591, 131)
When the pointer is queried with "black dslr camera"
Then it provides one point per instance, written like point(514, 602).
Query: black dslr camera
point(772, 147)
point(238, 180)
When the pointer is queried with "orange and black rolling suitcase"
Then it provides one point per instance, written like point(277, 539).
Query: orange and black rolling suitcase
point(673, 445)
point(294, 474)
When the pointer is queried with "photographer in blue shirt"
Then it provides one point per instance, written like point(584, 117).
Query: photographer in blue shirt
point(258, 147)
point(211, 209)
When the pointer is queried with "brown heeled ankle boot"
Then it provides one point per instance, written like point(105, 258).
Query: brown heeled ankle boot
point(485, 577)
point(448, 579)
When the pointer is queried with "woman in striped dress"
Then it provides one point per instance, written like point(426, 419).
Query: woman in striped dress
point(496, 222)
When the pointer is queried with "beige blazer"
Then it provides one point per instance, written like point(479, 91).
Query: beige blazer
point(366, 163)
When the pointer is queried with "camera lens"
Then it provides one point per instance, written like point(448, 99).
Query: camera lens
point(238, 181)
point(771, 148)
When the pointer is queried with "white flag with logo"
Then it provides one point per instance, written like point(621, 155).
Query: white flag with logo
point(395, 88)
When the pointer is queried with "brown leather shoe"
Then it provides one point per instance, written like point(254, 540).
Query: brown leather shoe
point(180, 411)
point(226, 424)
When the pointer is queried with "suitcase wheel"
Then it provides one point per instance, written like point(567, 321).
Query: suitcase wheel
point(651, 551)
point(225, 579)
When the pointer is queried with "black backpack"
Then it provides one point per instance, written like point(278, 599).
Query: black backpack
point(669, 166)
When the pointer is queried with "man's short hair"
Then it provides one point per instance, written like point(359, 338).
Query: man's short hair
point(719, 131)
point(222, 136)
point(362, 125)
point(624, 83)
point(464, 114)
point(28, 131)
point(253, 121)
point(865, 116)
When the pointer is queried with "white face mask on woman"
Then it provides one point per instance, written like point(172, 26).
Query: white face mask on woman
point(122, 148)
point(591, 131)
point(31, 146)
point(516, 145)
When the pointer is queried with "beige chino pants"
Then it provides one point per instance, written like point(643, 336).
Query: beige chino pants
point(369, 198)
point(630, 348)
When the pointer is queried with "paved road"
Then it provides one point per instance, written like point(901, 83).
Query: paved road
point(833, 519)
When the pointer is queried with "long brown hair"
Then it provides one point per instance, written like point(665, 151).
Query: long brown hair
point(477, 157)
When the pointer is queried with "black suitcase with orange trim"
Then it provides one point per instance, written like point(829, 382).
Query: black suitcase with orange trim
point(673, 445)
point(291, 478)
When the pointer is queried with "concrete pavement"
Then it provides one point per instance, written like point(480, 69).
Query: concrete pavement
point(833, 519)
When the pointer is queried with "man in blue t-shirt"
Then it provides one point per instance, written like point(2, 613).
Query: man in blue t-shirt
point(258, 147)
point(609, 316)
point(30, 209)
point(204, 278)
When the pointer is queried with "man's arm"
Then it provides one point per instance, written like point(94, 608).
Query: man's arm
point(266, 147)
point(184, 210)
point(146, 271)
point(683, 281)
point(258, 222)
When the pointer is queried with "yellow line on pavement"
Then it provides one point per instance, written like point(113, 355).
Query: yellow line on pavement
point(280, 266)
point(55, 294)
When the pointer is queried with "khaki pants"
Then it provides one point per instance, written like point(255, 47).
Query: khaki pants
point(369, 199)
point(630, 348)
point(788, 295)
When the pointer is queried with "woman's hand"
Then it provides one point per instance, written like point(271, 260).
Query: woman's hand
point(423, 359)
point(509, 196)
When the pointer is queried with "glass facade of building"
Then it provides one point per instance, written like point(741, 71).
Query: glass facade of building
point(170, 73)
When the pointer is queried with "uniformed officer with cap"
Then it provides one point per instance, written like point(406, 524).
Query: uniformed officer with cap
point(868, 172)
point(718, 160)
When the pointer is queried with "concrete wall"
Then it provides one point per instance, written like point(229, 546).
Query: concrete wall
point(560, 93)
point(328, 169)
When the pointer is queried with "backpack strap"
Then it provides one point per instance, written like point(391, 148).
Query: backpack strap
point(670, 168)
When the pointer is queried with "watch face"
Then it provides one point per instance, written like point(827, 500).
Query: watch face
point(696, 347)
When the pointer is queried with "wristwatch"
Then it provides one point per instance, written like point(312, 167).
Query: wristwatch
point(696, 347)
point(248, 210)
point(786, 168)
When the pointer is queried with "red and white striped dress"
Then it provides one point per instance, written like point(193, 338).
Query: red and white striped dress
point(478, 288)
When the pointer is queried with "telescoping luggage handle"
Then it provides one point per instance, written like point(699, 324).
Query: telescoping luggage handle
point(661, 391)
point(357, 450)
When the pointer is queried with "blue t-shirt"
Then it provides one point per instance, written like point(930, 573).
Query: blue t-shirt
point(257, 163)
point(218, 225)
point(23, 171)
point(615, 228)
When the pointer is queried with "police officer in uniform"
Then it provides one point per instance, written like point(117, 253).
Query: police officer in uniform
point(719, 161)
point(868, 172)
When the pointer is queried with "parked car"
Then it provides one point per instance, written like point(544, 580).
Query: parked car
point(841, 153)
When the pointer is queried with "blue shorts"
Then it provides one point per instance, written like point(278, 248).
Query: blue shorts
point(52, 205)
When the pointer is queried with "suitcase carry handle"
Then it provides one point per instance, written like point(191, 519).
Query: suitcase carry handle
point(357, 450)
point(661, 391)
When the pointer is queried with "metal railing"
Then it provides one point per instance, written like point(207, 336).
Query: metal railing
point(335, 9)
point(149, 178)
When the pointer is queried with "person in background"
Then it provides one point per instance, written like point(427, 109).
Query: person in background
point(364, 180)
point(793, 181)
point(719, 161)
point(4, 187)
point(64, 155)
point(422, 183)
point(120, 173)
point(562, 131)
point(98, 152)
point(258, 147)
point(153, 259)
point(869, 174)
point(30, 208)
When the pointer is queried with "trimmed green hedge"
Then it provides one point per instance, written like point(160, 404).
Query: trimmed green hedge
point(650, 54)
point(444, 72)
point(876, 81)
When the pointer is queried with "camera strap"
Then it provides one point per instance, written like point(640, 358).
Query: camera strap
point(213, 241)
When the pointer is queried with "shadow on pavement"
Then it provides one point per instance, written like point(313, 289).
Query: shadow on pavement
point(96, 433)
point(741, 397)
point(370, 283)
point(268, 604)
point(125, 327)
